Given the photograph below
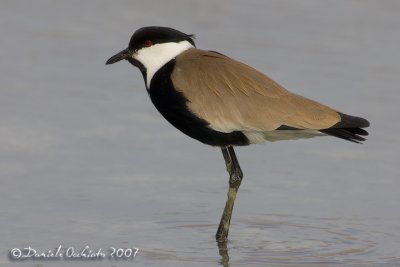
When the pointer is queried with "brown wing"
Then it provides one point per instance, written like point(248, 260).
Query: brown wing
point(233, 96)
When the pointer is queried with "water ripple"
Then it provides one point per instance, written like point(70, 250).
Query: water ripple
point(280, 240)
point(303, 241)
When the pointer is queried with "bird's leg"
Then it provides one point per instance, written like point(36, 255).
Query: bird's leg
point(223, 252)
point(235, 178)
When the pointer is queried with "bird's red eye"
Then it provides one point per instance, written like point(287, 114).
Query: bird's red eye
point(147, 43)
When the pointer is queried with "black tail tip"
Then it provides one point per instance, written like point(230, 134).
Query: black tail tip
point(350, 134)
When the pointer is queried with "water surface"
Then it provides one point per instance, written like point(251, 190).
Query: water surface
point(85, 159)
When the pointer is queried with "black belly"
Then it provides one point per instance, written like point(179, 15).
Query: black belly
point(172, 105)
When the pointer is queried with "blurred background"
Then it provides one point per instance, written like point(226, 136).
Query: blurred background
point(85, 158)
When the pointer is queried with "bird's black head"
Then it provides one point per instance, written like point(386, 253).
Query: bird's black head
point(149, 36)
point(151, 47)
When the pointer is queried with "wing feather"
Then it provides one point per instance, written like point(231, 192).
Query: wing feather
point(233, 96)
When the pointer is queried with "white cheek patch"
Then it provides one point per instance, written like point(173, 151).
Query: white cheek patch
point(156, 56)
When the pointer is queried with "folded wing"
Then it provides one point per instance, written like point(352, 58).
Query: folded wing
point(232, 96)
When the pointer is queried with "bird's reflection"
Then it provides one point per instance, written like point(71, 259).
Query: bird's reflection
point(223, 252)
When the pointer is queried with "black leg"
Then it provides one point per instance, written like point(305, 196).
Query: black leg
point(235, 178)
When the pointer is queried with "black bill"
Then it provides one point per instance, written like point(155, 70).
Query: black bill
point(124, 54)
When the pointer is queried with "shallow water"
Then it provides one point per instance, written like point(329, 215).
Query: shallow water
point(85, 159)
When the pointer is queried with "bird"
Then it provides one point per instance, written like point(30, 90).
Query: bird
point(224, 103)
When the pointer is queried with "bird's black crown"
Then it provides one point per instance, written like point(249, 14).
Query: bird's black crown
point(157, 35)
